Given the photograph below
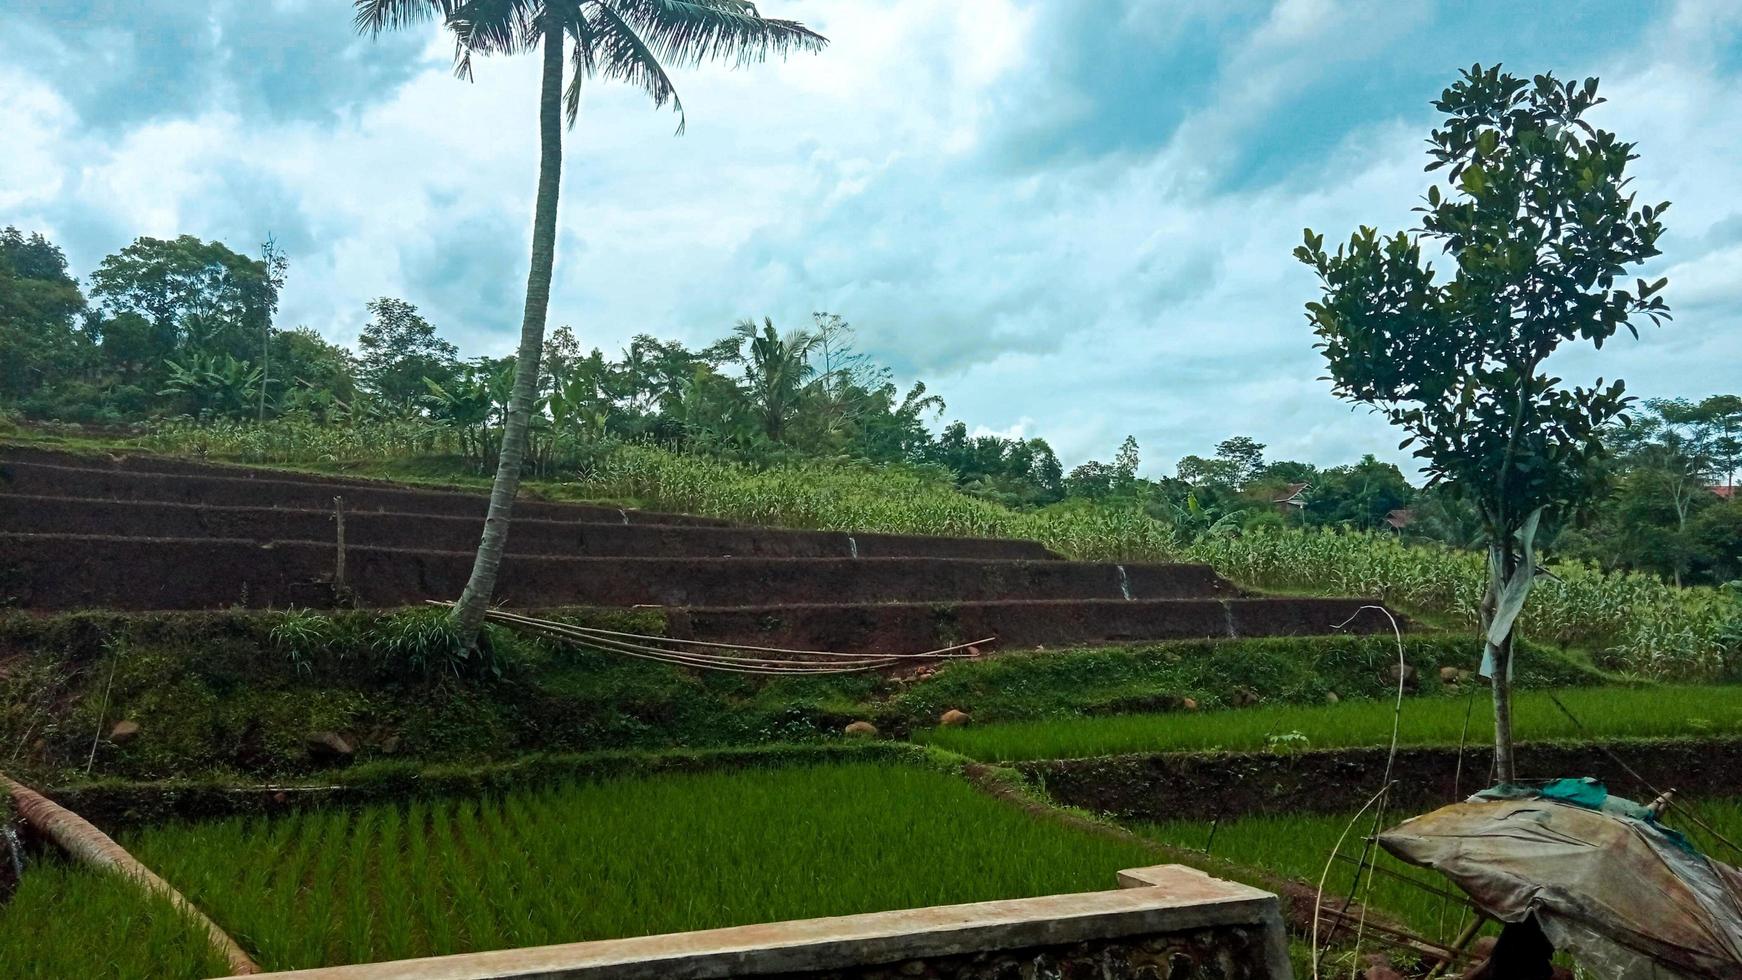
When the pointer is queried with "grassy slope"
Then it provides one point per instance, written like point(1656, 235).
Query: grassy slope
point(616, 858)
point(236, 693)
point(1608, 712)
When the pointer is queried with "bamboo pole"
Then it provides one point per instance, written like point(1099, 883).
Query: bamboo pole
point(85, 842)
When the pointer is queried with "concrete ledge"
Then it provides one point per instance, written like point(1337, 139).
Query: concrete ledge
point(1158, 901)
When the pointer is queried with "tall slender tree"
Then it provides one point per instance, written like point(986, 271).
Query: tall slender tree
point(1540, 225)
point(633, 41)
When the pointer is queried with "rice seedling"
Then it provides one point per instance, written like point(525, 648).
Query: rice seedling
point(1608, 712)
point(616, 858)
point(67, 921)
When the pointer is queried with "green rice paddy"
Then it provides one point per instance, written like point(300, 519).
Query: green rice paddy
point(590, 861)
point(1607, 712)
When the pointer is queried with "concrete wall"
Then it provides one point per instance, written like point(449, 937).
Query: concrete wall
point(1165, 923)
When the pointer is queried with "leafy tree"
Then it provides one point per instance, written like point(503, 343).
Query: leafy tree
point(1710, 430)
point(1540, 225)
point(1092, 480)
point(1717, 539)
point(312, 375)
point(399, 350)
point(1125, 463)
point(1721, 415)
point(39, 306)
point(171, 298)
point(1244, 456)
point(1201, 472)
point(1360, 495)
point(628, 40)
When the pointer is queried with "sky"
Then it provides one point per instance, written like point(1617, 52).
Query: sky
point(1071, 218)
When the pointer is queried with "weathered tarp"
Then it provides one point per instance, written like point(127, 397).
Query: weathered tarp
point(1623, 896)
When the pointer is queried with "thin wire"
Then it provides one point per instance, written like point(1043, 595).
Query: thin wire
point(943, 653)
point(743, 665)
point(1379, 814)
point(1319, 899)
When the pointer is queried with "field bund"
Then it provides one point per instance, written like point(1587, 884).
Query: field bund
point(144, 533)
point(1161, 917)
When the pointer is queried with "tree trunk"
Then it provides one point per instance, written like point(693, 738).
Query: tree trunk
point(1511, 571)
point(1505, 765)
point(468, 613)
point(1497, 664)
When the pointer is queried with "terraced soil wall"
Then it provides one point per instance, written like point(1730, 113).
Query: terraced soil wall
point(435, 532)
point(59, 572)
point(45, 480)
point(1205, 786)
point(153, 533)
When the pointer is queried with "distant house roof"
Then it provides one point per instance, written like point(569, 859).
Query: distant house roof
point(1726, 491)
point(1400, 518)
point(1292, 495)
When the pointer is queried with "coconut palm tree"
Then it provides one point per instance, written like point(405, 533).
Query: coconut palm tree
point(776, 370)
point(633, 41)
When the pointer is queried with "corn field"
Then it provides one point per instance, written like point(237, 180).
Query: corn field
point(1631, 622)
point(1636, 623)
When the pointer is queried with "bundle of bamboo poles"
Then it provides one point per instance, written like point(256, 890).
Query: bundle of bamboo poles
point(741, 660)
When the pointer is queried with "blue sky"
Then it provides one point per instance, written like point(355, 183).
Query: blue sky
point(1072, 218)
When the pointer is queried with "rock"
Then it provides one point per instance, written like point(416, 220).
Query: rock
point(861, 729)
point(1410, 680)
point(328, 746)
point(1379, 968)
point(1450, 675)
point(913, 968)
point(1244, 697)
point(390, 745)
point(124, 732)
point(1188, 704)
point(954, 717)
point(1331, 697)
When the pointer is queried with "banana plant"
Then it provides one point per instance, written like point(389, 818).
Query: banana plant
point(213, 385)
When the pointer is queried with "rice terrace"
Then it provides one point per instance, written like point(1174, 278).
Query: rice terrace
point(340, 645)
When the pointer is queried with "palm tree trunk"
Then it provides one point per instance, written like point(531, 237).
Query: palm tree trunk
point(468, 613)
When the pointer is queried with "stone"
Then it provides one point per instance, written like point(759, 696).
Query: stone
point(1379, 968)
point(124, 732)
point(1450, 675)
point(861, 729)
point(390, 745)
point(1188, 704)
point(1331, 697)
point(954, 717)
point(1410, 680)
point(1244, 697)
point(913, 968)
point(328, 746)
